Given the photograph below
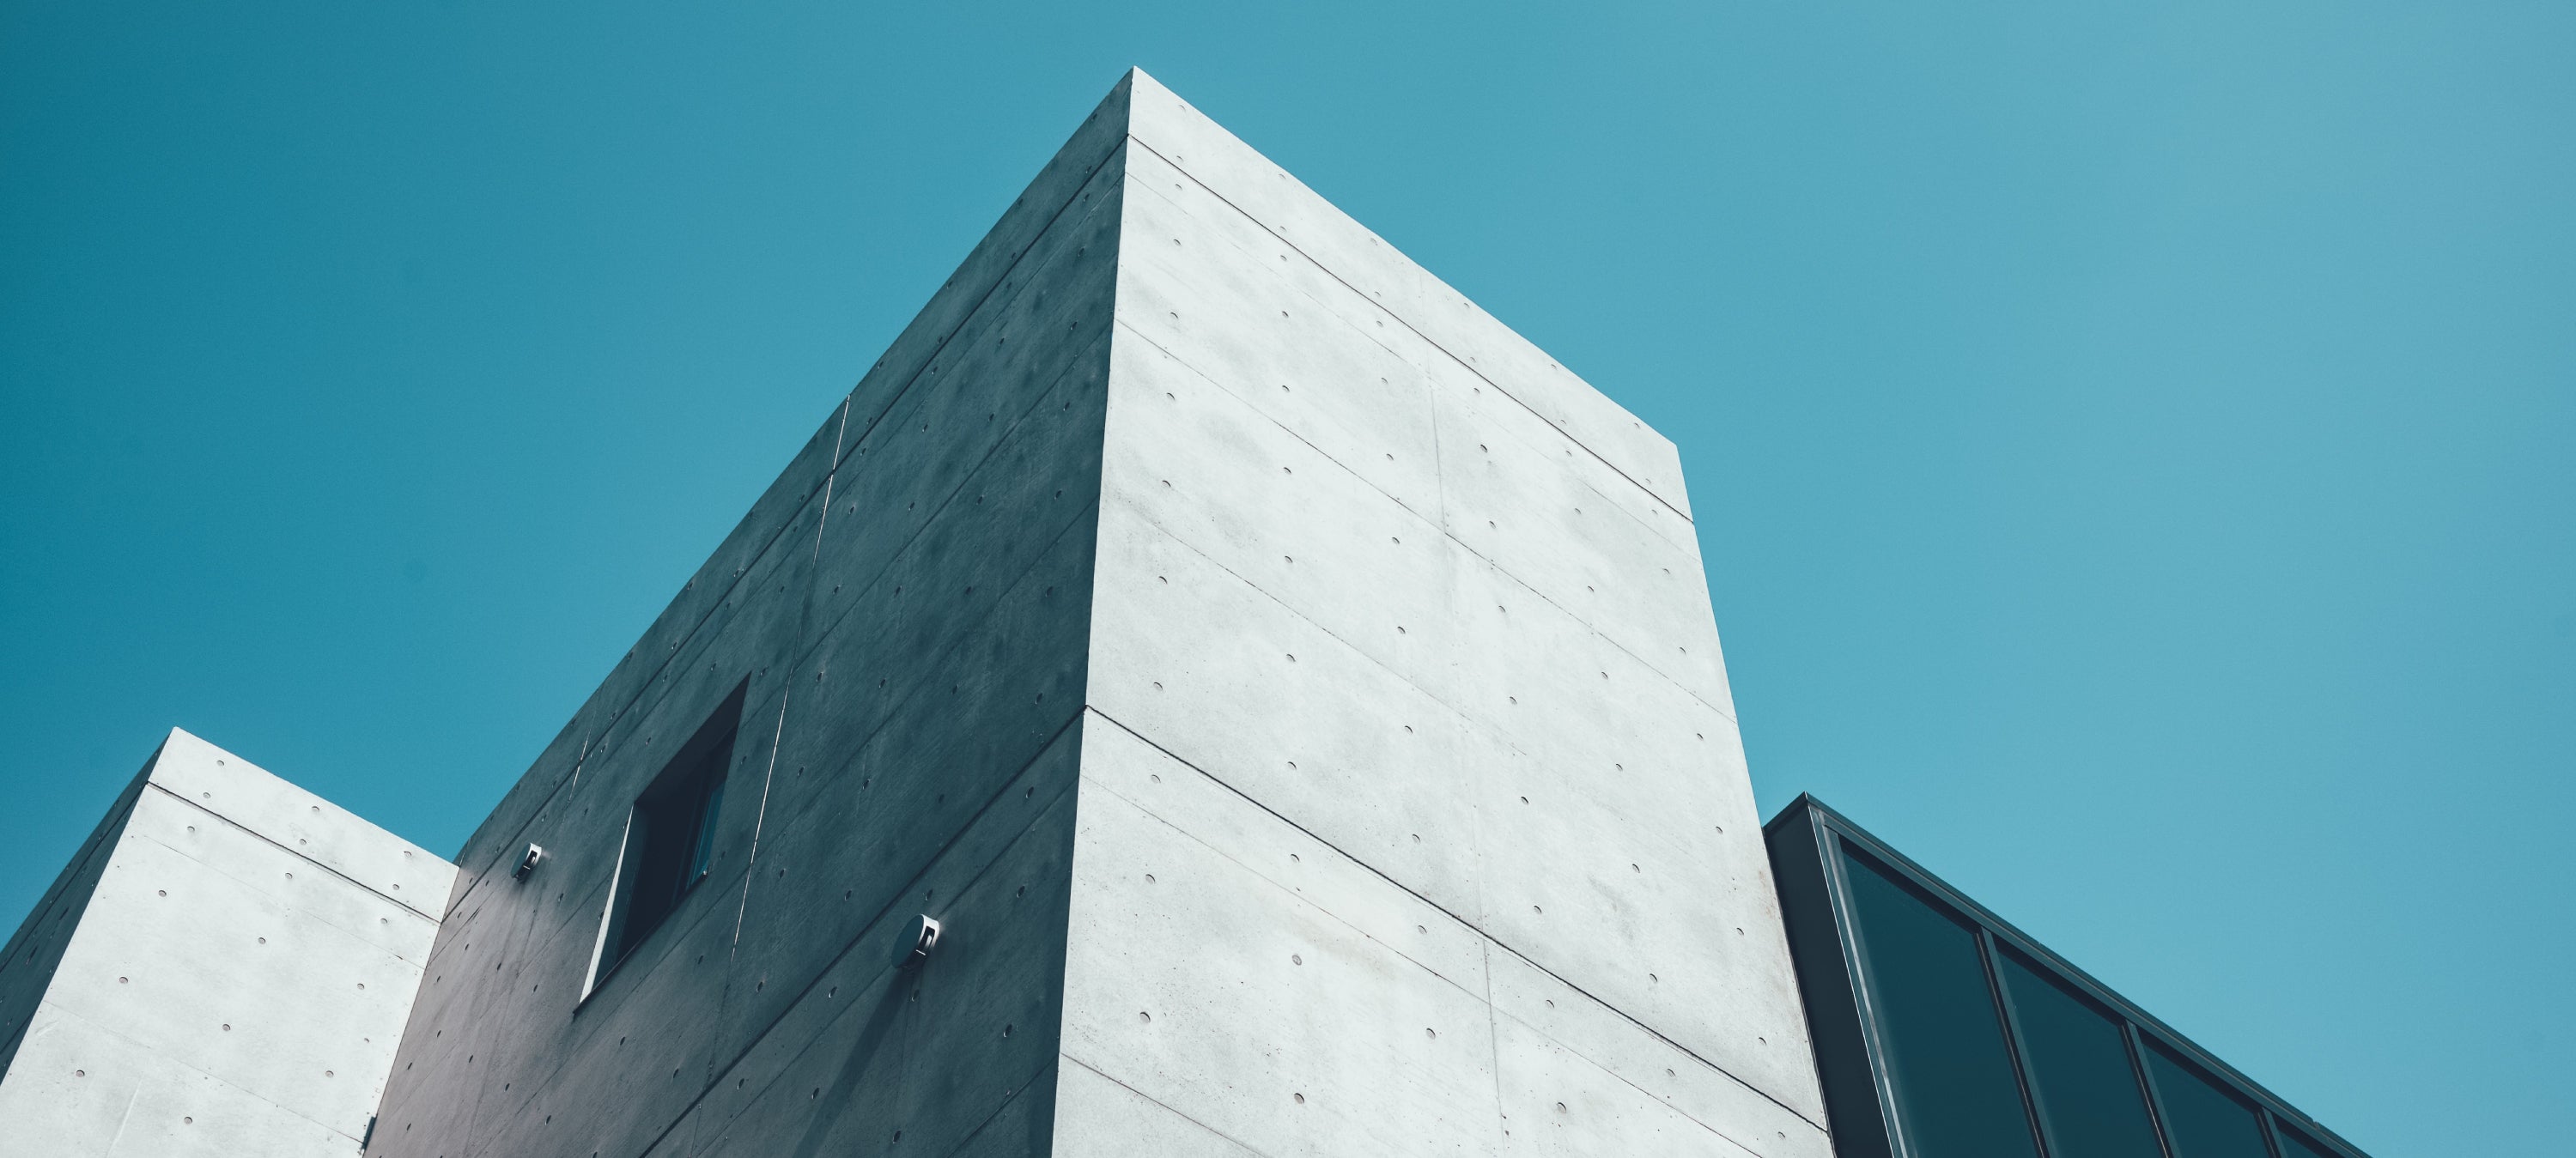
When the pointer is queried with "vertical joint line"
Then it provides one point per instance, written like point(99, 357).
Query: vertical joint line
point(752, 862)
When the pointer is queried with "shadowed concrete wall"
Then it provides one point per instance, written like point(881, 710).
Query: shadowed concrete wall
point(222, 970)
point(1413, 814)
point(908, 608)
point(1296, 694)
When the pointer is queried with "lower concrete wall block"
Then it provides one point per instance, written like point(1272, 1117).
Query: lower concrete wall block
point(1249, 1007)
point(1625, 1050)
point(80, 1091)
point(1555, 1102)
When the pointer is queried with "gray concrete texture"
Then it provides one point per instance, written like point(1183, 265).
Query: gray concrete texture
point(223, 969)
point(1297, 695)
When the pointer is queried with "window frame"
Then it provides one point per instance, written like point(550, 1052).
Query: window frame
point(700, 769)
point(1808, 845)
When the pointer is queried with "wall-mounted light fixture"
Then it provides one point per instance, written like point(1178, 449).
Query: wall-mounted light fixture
point(917, 943)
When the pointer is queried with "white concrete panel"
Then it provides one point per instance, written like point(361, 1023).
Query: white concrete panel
point(1602, 1037)
point(1281, 711)
point(1556, 1102)
point(1232, 170)
point(1194, 289)
point(81, 1091)
point(226, 954)
point(314, 828)
point(1250, 1006)
point(1527, 731)
point(1519, 493)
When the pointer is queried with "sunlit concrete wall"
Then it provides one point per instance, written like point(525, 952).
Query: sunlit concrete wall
point(223, 969)
point(1413, 814)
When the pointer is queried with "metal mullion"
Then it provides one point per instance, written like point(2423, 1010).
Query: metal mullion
point(1988, 955)
point(2147, 1083)
point(1900, 1141)
point(2271, 1129)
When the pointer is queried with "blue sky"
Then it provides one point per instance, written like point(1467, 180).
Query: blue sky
point(2134, 444)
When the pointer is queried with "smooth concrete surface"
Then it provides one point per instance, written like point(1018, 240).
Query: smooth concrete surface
point(1296, 693)
point(1413, 813)
point(223, 970)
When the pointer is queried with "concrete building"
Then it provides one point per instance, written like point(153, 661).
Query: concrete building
point(1293, 693)
point(1208, 690)
point(223, 969)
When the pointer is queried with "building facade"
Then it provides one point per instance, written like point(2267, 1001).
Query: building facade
point(1943, 1032)
point(1209, 689)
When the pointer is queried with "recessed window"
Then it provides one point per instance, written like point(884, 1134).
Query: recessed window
point(670, 837)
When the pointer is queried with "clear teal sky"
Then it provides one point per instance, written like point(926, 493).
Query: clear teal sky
point(2134, 443)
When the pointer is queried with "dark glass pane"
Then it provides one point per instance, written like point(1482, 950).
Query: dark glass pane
point(703, 847)
point(2203, 1119)
point(1955, 1093)
point(2297, 1145)
point(673, 834)
point(2079, 1069)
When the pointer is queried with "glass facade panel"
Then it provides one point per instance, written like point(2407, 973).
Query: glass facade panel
point(2078, 1058)
point(2204, 1120)
point(1944, 1040)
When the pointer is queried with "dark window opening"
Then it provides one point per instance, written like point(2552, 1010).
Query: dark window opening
point(671, 835)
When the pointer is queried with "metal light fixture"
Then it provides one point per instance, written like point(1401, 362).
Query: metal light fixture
point(919, 941)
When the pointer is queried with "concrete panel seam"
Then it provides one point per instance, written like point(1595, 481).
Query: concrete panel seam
point(167, 1058)
point(895, 556)
point(1007, 1102)
point(1363, 653)
point(859, 743)
point(1105, 1076)
point(1486, 944)
point(751, 862)
point(1436, 906)
point(1309, 443)
point(840, 438)
point(406, 906)
point(1493, 1025)
point(1436, 527)
point(1434, 343)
